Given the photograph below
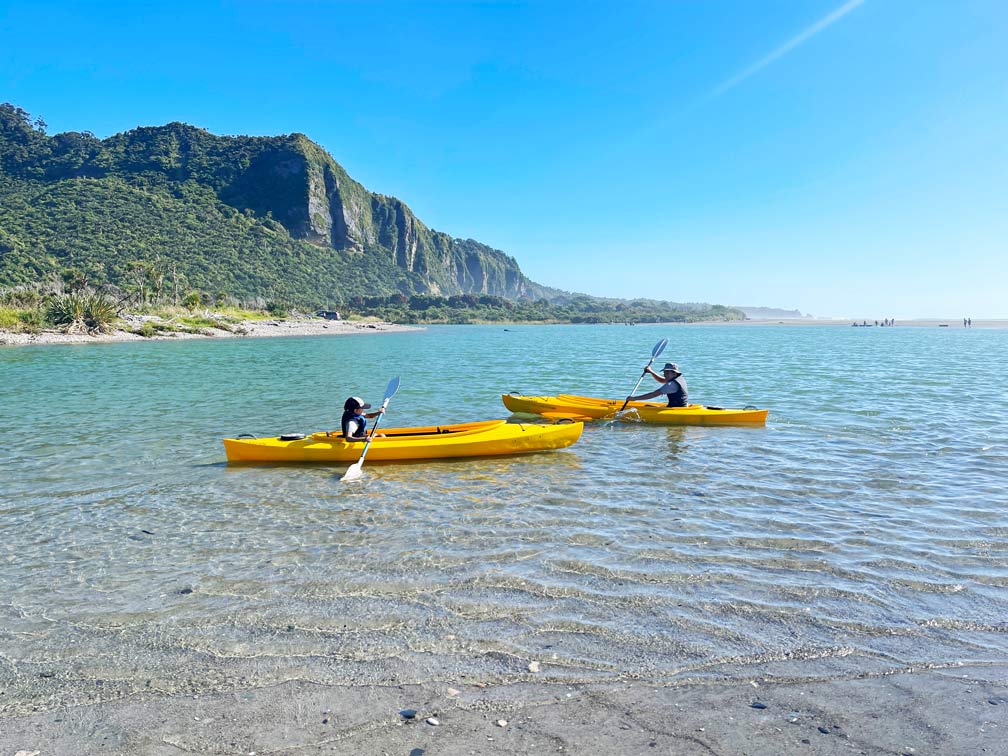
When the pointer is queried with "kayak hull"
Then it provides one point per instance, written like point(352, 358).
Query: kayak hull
point(586, 408)
point(478, 439)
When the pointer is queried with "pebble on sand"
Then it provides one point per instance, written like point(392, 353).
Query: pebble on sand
point(533, 666)
point(502, 723)
point(433, 721)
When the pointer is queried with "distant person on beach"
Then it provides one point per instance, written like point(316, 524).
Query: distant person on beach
point(354, 422)
point(673, 385)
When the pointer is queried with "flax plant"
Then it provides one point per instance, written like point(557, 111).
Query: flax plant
point(82, 312)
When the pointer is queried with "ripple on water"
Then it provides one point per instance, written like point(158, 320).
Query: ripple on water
point(864, 529)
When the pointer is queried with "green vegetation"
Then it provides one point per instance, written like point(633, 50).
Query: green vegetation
point(32, 309)
point(468, 308)
point(81, 312)
point(174, 215)
point(20, 320)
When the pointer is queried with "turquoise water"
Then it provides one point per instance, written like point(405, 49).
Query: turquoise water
point(863, 530)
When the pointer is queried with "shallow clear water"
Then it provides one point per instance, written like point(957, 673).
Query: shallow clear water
point(864, 529)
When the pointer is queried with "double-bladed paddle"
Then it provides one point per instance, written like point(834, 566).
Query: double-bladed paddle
point(354, 471)
point(658, 349)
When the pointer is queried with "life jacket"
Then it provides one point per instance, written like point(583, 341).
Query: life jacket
point(345, 424)
point(678, 396)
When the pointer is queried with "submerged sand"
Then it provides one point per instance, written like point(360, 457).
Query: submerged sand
point(244, 329)
point(958, 710)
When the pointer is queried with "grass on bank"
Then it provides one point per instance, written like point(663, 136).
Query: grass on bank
point(31, 308)
point(21, 320)
point(86, 311)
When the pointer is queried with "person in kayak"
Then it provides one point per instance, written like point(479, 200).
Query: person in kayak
point(672, 383)
point(354, 422)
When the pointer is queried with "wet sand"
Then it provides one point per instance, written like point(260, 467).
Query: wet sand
point(247, 328)
point(958, 710)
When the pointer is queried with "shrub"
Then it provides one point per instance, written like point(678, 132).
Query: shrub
point(20, 297)
point(81, 312)
point(31, 321)
point(199, 324)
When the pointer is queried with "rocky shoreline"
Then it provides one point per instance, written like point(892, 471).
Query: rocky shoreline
point(245, 328)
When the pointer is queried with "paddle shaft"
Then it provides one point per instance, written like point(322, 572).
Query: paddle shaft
point(374, 427)
point(354, 471)
point(658, 349)
point(627, 400)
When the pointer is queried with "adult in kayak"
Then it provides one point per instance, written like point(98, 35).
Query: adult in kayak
point(354, 422)
point(672, 383)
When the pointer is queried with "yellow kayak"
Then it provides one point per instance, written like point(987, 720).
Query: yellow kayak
point(589, 408)
point(479, 439)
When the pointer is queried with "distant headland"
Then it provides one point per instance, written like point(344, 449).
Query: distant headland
point(173, 213)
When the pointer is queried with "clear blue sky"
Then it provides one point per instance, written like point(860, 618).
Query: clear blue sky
point(847, 159)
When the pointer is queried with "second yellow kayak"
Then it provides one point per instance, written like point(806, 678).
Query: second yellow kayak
point(590, 408)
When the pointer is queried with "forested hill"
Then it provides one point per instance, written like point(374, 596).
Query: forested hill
point(253, 218)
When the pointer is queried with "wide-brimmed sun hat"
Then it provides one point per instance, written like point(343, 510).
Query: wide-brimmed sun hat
point(671, 366)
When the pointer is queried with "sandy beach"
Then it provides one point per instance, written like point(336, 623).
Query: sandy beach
point(957, 711)
point(244, 329)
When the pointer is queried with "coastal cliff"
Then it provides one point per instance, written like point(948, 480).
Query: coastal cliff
point(265, 218)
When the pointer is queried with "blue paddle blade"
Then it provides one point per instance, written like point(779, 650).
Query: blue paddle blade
point(659, 348)
point(393, 387)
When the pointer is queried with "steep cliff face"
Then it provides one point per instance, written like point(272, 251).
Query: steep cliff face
point(316, 200)
point(288, 180)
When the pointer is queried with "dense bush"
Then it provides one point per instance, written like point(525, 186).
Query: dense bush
point(488, 309)
point(81, 312)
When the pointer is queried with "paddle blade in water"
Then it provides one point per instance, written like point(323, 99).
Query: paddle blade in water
point(353, 472)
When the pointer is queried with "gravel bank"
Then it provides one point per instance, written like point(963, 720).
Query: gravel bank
point(245, 329)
